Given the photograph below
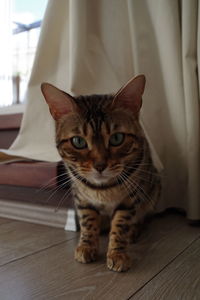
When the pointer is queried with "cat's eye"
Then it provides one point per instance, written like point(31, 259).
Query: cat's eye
point(78, 142)
point(116, 139)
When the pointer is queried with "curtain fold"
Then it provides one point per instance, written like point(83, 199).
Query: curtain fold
point(95, 47)
point(190, 30)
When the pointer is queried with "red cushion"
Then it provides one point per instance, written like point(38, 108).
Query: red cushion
point(29, 174)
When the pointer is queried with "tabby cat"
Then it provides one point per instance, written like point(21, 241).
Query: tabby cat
point(108, 159)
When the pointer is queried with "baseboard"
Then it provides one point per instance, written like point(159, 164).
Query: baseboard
point(39, 214)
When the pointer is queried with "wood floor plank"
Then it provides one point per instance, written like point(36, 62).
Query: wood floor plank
point(179, 280)
point(18, 239)
point(4, 220)
point(60, 277)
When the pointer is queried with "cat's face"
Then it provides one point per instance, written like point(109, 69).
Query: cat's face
point(98, 136)
point(99, 156)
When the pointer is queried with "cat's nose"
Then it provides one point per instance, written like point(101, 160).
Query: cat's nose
point(100, 167)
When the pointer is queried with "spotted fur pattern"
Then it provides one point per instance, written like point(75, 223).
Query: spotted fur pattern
point(116, 183)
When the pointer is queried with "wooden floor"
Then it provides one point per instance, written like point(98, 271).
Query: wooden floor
point(36, 262)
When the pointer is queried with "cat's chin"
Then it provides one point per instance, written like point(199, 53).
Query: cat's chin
point(107, 177)
point(99, 179)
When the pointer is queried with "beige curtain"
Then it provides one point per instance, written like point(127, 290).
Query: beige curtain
point(89, 46)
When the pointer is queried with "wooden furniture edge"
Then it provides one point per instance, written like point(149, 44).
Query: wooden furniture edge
point(10, 121)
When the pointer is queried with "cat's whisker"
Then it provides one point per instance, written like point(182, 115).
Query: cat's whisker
point(146, 177)
point(145, 171)
point(126, 186)
point(141, 178)
point(47, 184)
point(46, 166)
point(77, 177)
point(142, 190)
point(134, 185)
point(141, 170)
point(65, 196)
point(135, 190)
point(58, 189)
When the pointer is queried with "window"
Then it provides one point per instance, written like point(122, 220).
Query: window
point(20, 23)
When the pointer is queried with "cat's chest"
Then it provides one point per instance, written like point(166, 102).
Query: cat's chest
point(105, 201)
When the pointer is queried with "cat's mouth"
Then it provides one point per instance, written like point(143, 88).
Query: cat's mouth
point(101, 178)
point(98, 178)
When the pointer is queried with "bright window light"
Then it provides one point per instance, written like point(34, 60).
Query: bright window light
point(20, 23)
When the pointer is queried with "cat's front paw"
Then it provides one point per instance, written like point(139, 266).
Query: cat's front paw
point(85, 254)
point(118, 261)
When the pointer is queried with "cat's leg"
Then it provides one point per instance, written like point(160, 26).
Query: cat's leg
point(87, 249)
point(121, 230)
point(136, 231)
point(144, 212)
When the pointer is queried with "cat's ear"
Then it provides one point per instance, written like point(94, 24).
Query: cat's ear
point(130, 95)
point(60, 103)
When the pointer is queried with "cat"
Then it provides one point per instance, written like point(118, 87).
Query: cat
point(105, 151)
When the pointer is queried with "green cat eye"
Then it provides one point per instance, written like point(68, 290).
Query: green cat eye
point(116, 139)
point(78, 142)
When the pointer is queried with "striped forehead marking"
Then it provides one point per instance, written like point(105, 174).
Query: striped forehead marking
point(93, 111)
